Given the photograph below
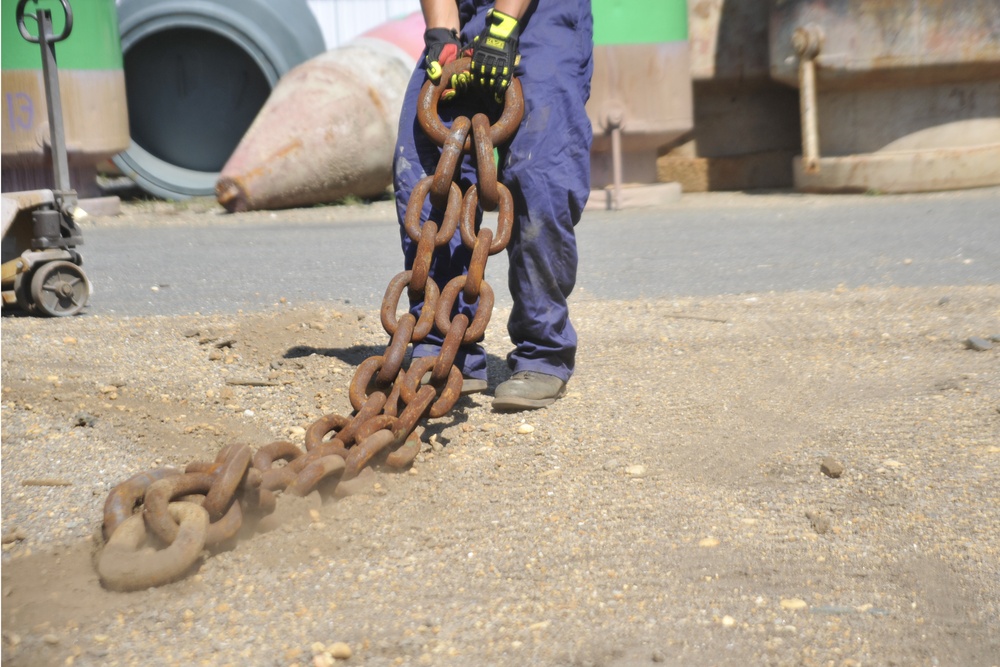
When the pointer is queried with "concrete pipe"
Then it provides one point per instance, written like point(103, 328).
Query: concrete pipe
point(196, 74)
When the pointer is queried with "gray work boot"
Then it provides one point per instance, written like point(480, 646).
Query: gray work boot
point(528, 390)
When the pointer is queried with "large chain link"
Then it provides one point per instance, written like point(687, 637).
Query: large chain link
point(207, 503)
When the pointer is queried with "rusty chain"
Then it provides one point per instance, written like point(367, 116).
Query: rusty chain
point(206, 504)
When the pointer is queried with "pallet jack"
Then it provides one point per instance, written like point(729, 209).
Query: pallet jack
point(41, 271)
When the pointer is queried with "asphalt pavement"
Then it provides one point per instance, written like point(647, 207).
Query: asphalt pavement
point(706, 244)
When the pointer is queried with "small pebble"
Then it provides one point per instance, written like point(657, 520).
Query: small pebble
point(84, 419)
point(636, 471)
point(820, 523)
point(793, 604)
point(728, 621)
point(831, 467)
point(978, 344)
point(15, 535)
point(524, 429)
point(833, 610)
point(708, 542)
point(339, 650)
point(323, 660)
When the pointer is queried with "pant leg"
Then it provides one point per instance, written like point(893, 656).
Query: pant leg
point(415, 157)
point(547, 167)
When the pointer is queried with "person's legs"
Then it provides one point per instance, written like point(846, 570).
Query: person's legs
point(547, 167)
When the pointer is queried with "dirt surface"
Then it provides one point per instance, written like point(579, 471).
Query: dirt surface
point(676, 507)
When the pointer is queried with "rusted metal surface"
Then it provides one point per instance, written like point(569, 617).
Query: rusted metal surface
point(904, 171)
point(728, 39)
point(326, 131)
point(122, 500)
point(746, 125)
point(389, 401)
point(123, 567)
point(640, 100)
point(894, 96)
point(879, 41)
point(646, 89)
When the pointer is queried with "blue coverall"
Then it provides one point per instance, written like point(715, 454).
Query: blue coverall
point(547, 168)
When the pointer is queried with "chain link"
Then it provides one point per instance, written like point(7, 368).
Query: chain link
point(206, 505)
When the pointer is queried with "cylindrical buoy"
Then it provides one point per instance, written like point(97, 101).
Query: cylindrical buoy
point(329, 127)
point(197, 72)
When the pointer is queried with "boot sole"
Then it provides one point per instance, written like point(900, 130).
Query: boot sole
point(517, 403)
point(473, 386)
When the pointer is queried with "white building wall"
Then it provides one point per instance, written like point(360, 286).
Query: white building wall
point(343, 20)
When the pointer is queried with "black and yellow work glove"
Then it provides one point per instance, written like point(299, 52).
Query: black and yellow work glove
point(442, 48)
point(494, 54)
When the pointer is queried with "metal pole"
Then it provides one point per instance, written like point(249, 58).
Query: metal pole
point(50, 72)
point(807, 109)
point(807, 42)
point(616, 166)
point(614, 121)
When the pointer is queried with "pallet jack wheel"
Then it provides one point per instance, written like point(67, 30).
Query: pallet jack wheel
point(59, 289)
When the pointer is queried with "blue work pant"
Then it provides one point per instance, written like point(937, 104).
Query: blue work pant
point(547, 168)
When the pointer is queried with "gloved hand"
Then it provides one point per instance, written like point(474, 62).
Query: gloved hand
point(442, 48)
point(494, 54)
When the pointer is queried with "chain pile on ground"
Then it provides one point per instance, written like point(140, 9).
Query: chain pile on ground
point(181, 513)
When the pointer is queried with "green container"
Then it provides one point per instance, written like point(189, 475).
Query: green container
point(639, 22)
point(91, 85)
point(92, 45)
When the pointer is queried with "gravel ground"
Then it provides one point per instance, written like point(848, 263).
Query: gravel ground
point(672, 509)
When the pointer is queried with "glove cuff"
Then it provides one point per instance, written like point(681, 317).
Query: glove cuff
point(501, 25)
point(439, 35)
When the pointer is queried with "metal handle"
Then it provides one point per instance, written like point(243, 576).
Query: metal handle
point(67, 29)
